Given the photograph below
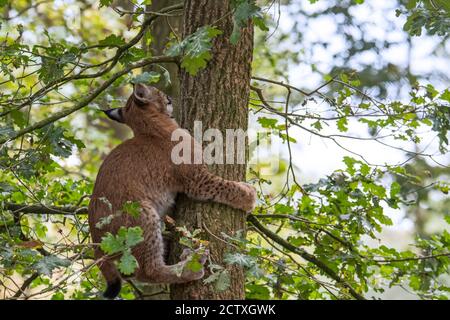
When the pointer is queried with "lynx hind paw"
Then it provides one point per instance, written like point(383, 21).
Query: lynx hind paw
point(187, 252)
point(249, 197)
point(190, 275)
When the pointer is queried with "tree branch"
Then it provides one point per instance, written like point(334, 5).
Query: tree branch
point(25, 285)
point(431, 256)
point(112, 61)
point(75, 210)
point(305, 255)
point(41, 209)
point(59, 115)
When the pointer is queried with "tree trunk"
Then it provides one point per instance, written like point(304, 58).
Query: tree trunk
point(217, 96)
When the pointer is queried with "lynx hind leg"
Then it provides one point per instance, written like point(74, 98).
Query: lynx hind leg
point(153, 268)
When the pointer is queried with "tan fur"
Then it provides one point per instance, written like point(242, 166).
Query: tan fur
point(140, 169)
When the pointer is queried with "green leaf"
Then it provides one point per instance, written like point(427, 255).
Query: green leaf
point(132, 236)
point(110, 244)
point(284, 209)
point(431, 91)
point(125, 239)
point(244, 11)
point(48, 263)
point(133, 208)
point(56, 141)
point(220, 279)
point(411, 4)
point(127, 263)
point(195, 49)
point(395, 189)
point(193, 264)
point(350, 163)
point(50, 70)
point(365, 169)
point(267, 122)
point(58, 296)
point(317, 125)
point(105, 3)
point(112, 41)
point(414, 282)
point(446, 95)
point(146, 77)
point(223, 281)
point(257, 292)
point(40, 229)
point(6, 131)
point(239, 259)
point(133, 54)
point(342, 124)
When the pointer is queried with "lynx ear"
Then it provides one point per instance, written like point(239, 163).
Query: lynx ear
point(142, 94)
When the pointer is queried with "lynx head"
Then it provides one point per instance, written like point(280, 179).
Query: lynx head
point(146, 108)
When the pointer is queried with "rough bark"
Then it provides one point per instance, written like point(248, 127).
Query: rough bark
point(217, 96)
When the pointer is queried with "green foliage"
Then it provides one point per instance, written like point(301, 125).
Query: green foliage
point(146, 77)
point(267, 122)
point(331, 218)
point(195, 49)
point(125, 239)
point(55, 58)
point(132, 208)
point(245, 10)
point(104, 3)
point(47, 264)
point(112, 41)
point(122, 244)
point(433, 15)
point(220, 278)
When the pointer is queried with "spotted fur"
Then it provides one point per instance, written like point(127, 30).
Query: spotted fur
point(141, 170)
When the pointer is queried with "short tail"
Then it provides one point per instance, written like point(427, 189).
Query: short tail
point(111, 274)
point(113, 288)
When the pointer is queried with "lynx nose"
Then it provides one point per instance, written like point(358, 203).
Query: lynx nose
point(115, 114)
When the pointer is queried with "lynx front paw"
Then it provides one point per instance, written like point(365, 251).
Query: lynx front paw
point(248, 200)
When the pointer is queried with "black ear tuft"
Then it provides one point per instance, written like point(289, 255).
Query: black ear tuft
point(113, 289)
